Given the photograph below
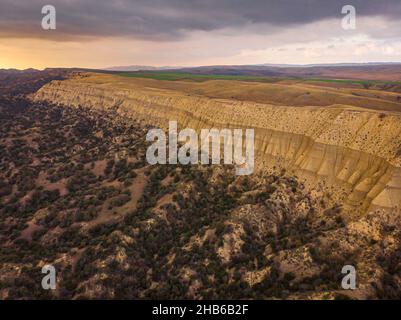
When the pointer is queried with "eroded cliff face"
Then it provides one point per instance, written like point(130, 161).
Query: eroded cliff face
point(352, 153)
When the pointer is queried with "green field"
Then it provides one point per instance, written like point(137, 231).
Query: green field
point(355, 81)
point(183, 76)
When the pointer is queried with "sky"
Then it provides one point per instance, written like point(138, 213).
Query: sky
point(103, 33)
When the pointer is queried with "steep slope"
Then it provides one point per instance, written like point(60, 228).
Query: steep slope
point(350, 152)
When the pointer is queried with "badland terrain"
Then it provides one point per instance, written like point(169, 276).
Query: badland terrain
point(77, 192)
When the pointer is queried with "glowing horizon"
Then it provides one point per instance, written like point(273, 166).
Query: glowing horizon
point(197, 34)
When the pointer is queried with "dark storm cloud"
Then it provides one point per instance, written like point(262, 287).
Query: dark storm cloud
point(171, 19)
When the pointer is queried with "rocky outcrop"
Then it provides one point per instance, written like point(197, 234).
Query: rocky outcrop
point(352, 152)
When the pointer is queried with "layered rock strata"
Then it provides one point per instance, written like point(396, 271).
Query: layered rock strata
point(354, 153)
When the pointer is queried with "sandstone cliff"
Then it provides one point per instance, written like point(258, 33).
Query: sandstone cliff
point(351, 152)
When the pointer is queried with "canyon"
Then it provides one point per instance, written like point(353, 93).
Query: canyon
point(344, 142)
point(77, 190)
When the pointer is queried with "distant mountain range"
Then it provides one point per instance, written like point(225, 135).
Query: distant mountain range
point(140, 68)
point(388, 71)
point(152, 68)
